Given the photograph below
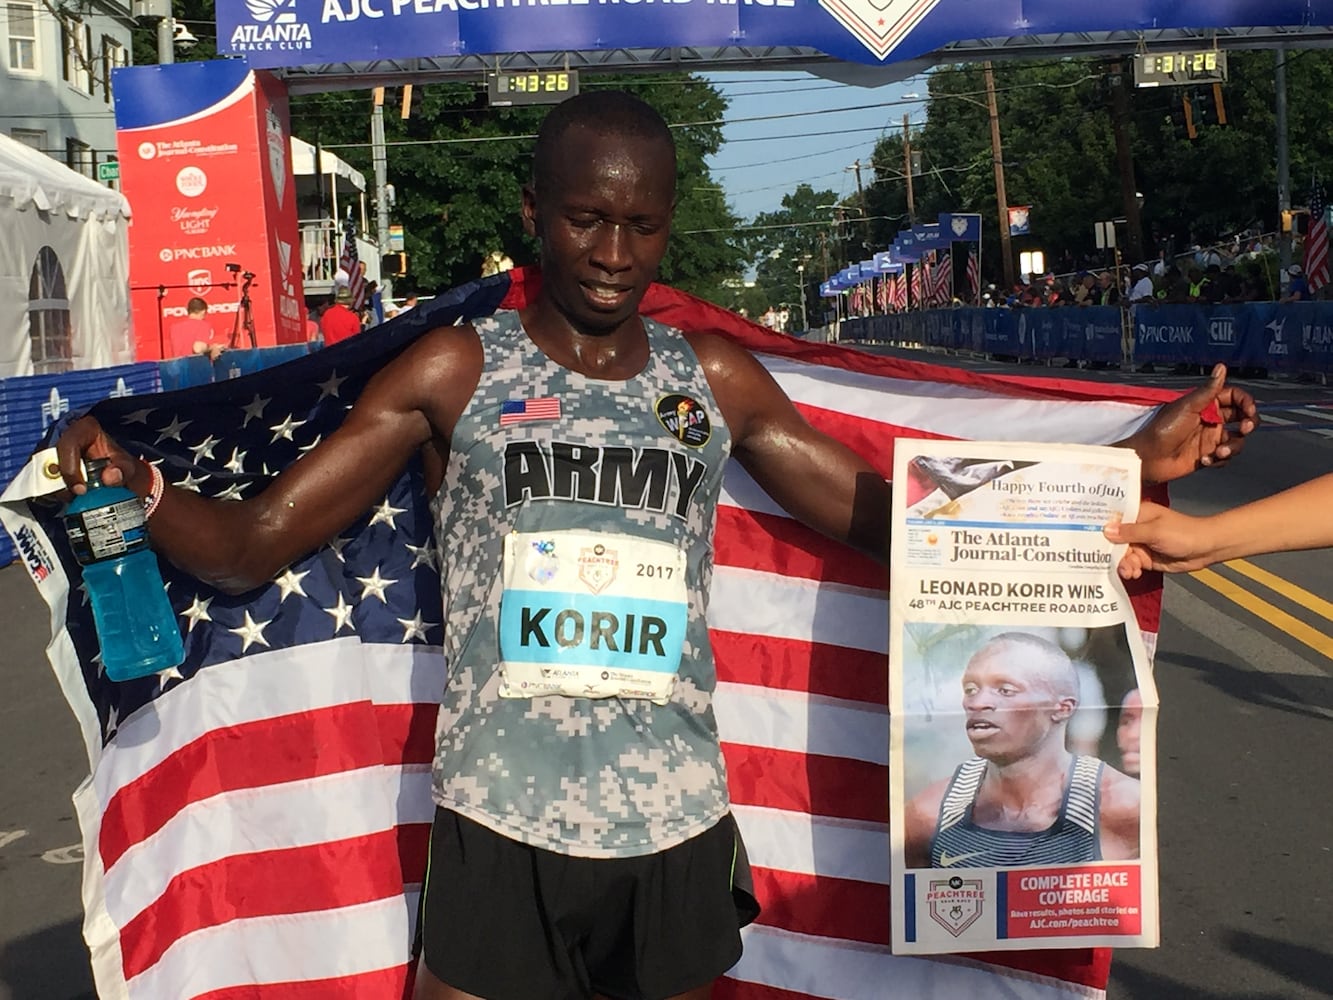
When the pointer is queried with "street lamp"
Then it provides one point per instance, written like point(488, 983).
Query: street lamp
point(800, 271)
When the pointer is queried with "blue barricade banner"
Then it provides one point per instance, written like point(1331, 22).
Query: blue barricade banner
point(1290, 337)
point(276, 33)
point(30, 404)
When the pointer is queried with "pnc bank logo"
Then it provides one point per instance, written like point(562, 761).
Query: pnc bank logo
point(880, 25)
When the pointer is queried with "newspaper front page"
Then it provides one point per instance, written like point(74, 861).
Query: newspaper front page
point(1023, 709)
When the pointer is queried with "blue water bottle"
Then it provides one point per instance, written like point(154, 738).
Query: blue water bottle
point(109, 535)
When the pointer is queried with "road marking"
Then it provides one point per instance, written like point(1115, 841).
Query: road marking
point(1268, 418)
point(1275, 616)
point(1284, 587)
point(1317, 414)
point(1269, 657)
point(71, 855)
point(1323, 432)
point(8, 837)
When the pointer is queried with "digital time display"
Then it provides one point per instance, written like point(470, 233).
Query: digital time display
point(1167, 69)
point(538, 86)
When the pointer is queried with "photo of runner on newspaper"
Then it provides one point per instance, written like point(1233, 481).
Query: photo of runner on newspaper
point(1011, 746)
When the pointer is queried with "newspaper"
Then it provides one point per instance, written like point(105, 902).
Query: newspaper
point(1023, 796)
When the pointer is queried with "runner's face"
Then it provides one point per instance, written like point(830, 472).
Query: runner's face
point(603, 224)
point(1010, 711)
point(1127, 732)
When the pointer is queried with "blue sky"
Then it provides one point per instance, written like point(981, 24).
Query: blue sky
point(761, 162)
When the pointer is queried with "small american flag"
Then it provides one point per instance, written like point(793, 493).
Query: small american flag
point(973, 277)
point(1316, 242)
point(351, 263)
point(518, 411)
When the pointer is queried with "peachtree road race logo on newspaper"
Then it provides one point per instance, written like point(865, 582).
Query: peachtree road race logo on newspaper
point(956, 903)
point(275, 27)
point(880, 25)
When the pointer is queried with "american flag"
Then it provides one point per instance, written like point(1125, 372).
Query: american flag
point(1316, 241)
point(917, 299)
point(256, 821)
point(898, 294)
point(973, 277)
point(941, 291)
point(519, 411)
point(350, 263)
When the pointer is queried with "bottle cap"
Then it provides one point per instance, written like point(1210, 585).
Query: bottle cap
point(92, 470)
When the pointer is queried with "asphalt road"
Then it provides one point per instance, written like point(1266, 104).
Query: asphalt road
point(1246, 819)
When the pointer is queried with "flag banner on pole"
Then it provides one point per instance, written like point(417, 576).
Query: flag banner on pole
point(973, 277)
point(256, 820)
point(350, 264)
point(1316, 241)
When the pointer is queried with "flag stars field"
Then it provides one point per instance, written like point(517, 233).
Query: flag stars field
point(385, 514)
point(375, 584)
point(289, 583)
point(254, 410)
point(342, 614)
point(329, 387)
point(197, 612)
point(285, 429)
point(251, 632)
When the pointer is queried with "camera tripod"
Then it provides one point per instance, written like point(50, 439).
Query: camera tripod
point(244, 316)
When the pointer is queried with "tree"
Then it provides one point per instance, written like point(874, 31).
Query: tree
point(800, 235)
point(458, 168)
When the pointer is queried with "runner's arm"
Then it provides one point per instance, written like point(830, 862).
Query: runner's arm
point(237, 545)
point(819, 481)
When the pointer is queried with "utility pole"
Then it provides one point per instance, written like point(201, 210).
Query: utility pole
point(1283, 159)
point(1129, 189)
point(861, 200)
point(380, 159)
point(907, 171)
point(1001, 196)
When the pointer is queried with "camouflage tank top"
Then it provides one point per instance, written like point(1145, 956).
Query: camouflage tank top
point(575, 526)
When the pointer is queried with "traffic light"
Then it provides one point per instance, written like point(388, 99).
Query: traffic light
point(394, 264)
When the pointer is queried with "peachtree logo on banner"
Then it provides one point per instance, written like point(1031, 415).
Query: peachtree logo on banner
point(276, 27)
point(880, 25)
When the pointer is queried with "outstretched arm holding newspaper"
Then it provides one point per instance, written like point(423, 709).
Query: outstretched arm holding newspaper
point(1166, 540)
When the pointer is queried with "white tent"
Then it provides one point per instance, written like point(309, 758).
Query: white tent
point(64, 267)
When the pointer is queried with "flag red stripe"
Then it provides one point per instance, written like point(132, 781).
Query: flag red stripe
point(797, 665)
point(264, 883)
point(822, 906)
point(736, 989)
point(808, 783)
point(276, 750)
point(382, 984)
point(772, 543)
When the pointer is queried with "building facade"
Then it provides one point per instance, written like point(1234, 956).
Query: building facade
point(56, 59)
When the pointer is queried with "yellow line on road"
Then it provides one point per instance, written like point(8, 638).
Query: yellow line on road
point(1275, 616)
point(1284, 587)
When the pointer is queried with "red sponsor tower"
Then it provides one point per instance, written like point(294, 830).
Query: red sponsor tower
point(205, 162)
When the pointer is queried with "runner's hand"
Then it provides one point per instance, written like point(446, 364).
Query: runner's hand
point(1183, 436)
point(85, 439)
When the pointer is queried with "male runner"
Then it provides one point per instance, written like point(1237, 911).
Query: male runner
point(583, 844)
point(1024, 799)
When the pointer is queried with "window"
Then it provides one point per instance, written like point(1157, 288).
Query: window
point(48, 315)
point(114, 56)
point(76, 39)
point(22, 18)
point(34, 137)
point(79, 157)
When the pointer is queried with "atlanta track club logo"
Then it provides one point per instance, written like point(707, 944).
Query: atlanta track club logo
point(879, 24)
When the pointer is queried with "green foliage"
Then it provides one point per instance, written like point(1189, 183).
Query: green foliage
point(800, 234)
point(458, 169)
point(1059, 154)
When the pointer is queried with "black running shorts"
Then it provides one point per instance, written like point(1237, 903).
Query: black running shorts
point(505, 921)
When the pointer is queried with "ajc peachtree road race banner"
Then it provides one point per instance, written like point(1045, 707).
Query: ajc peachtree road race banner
point(206, 164)
point(300, 32)
point(1022, 706)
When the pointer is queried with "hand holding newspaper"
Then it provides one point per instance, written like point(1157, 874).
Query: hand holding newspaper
point(1022, 703)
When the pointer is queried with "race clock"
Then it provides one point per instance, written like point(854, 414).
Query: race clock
point(1173, 69)
point(539, 86)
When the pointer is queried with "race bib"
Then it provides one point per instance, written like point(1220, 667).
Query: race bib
point(591, 615)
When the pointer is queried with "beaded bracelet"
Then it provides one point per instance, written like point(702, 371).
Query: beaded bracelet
point(154, 497)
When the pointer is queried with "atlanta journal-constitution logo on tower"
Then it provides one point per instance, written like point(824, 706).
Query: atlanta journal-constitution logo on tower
point(880, 25)
point(275, 26)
